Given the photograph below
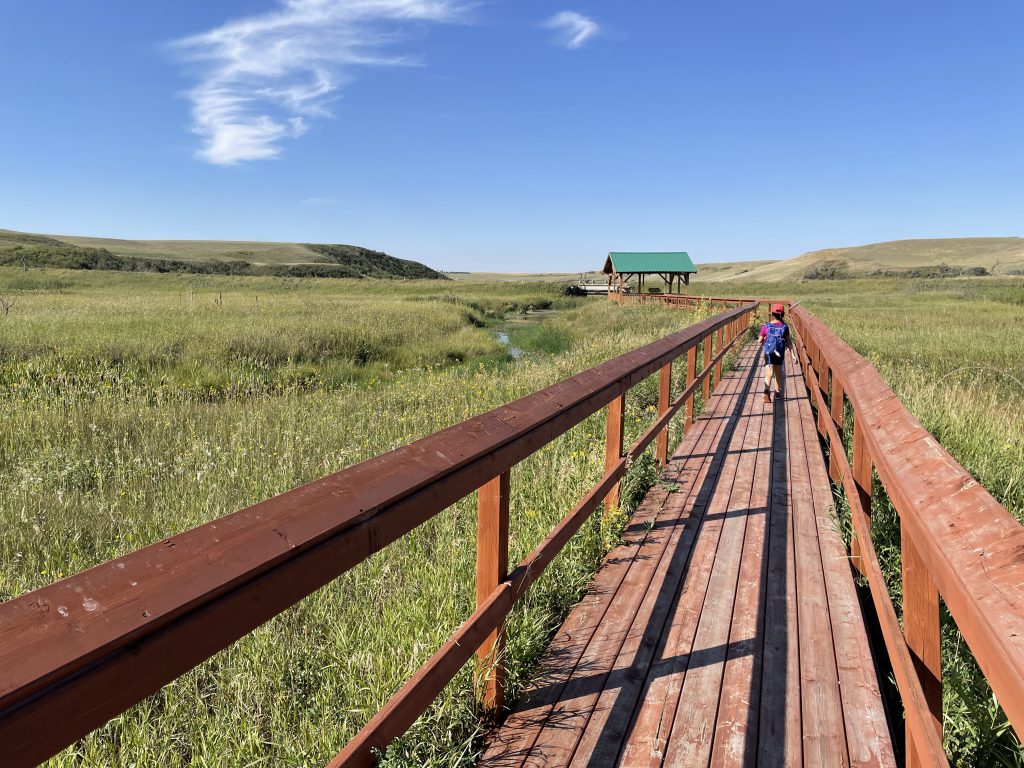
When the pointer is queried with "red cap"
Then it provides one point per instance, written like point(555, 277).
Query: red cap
point(778, 309)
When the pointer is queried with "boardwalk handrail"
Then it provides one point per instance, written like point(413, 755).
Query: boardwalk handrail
point(957, 541)
point(78, 652)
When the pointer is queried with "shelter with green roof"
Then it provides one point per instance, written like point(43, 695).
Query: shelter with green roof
point(671, 266)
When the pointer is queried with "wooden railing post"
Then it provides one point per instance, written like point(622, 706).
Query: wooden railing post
point(691, 374)
point(491, 569)
point(613, 446)
point(706, 388)
point(823, 390)
point(719, 346)
point(921, 629)
point(664, 393)
point(837, 408)
point(862, 470)
point(808, 359)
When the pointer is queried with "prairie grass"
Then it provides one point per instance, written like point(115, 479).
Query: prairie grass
point(109, 446)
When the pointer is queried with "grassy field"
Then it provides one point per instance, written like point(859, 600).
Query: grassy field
point(139, 405)
point(137, 408)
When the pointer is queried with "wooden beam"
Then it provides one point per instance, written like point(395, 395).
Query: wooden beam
point(491, 570)
point(664, 392)
point(921, 628)
point(691, 374)
point(613, 446)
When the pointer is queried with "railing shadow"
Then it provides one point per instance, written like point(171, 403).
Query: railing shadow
point(634, 681)
point(765, 736)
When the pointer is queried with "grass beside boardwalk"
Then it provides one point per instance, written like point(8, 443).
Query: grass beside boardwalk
point(953, 351)
point(133, 412)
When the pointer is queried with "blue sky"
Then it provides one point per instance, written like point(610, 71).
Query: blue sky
point(515, 135)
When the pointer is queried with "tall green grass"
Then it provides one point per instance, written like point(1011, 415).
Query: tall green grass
point(106, 449)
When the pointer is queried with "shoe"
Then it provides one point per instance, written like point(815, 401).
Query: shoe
point(767, 398)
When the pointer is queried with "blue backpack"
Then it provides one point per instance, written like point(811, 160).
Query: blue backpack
point(775, 344)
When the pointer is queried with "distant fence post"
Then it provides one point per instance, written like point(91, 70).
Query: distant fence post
point(613, 446)
point(491, 569)
point(664, 394)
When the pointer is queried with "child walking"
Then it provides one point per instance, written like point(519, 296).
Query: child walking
point(775, 339)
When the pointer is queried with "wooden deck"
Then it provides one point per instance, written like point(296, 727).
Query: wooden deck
point(725, 629)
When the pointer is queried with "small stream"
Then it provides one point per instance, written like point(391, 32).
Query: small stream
point(515, 352)
point(531, 318)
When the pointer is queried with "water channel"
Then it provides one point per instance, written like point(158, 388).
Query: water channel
point(530, 318)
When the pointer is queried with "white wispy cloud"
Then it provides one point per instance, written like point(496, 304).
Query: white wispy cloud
point(574, 28)
point(262, 78)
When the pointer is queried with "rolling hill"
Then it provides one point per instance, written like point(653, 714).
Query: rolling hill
point(996, 255)
point(208, 257)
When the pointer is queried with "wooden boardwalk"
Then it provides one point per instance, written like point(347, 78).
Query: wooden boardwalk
point(725, 629)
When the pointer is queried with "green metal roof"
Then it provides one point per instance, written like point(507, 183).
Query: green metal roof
point(669, 261)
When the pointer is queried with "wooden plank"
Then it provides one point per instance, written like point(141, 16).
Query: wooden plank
point(628, 609)
point(736, 729)
point(513, 741)
point(614, 710)
point(823, 726)
point(614, 714)
point(647, 737)
point(867, 732)
point(779, 728)
point(693, 728)
point(491, 569)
